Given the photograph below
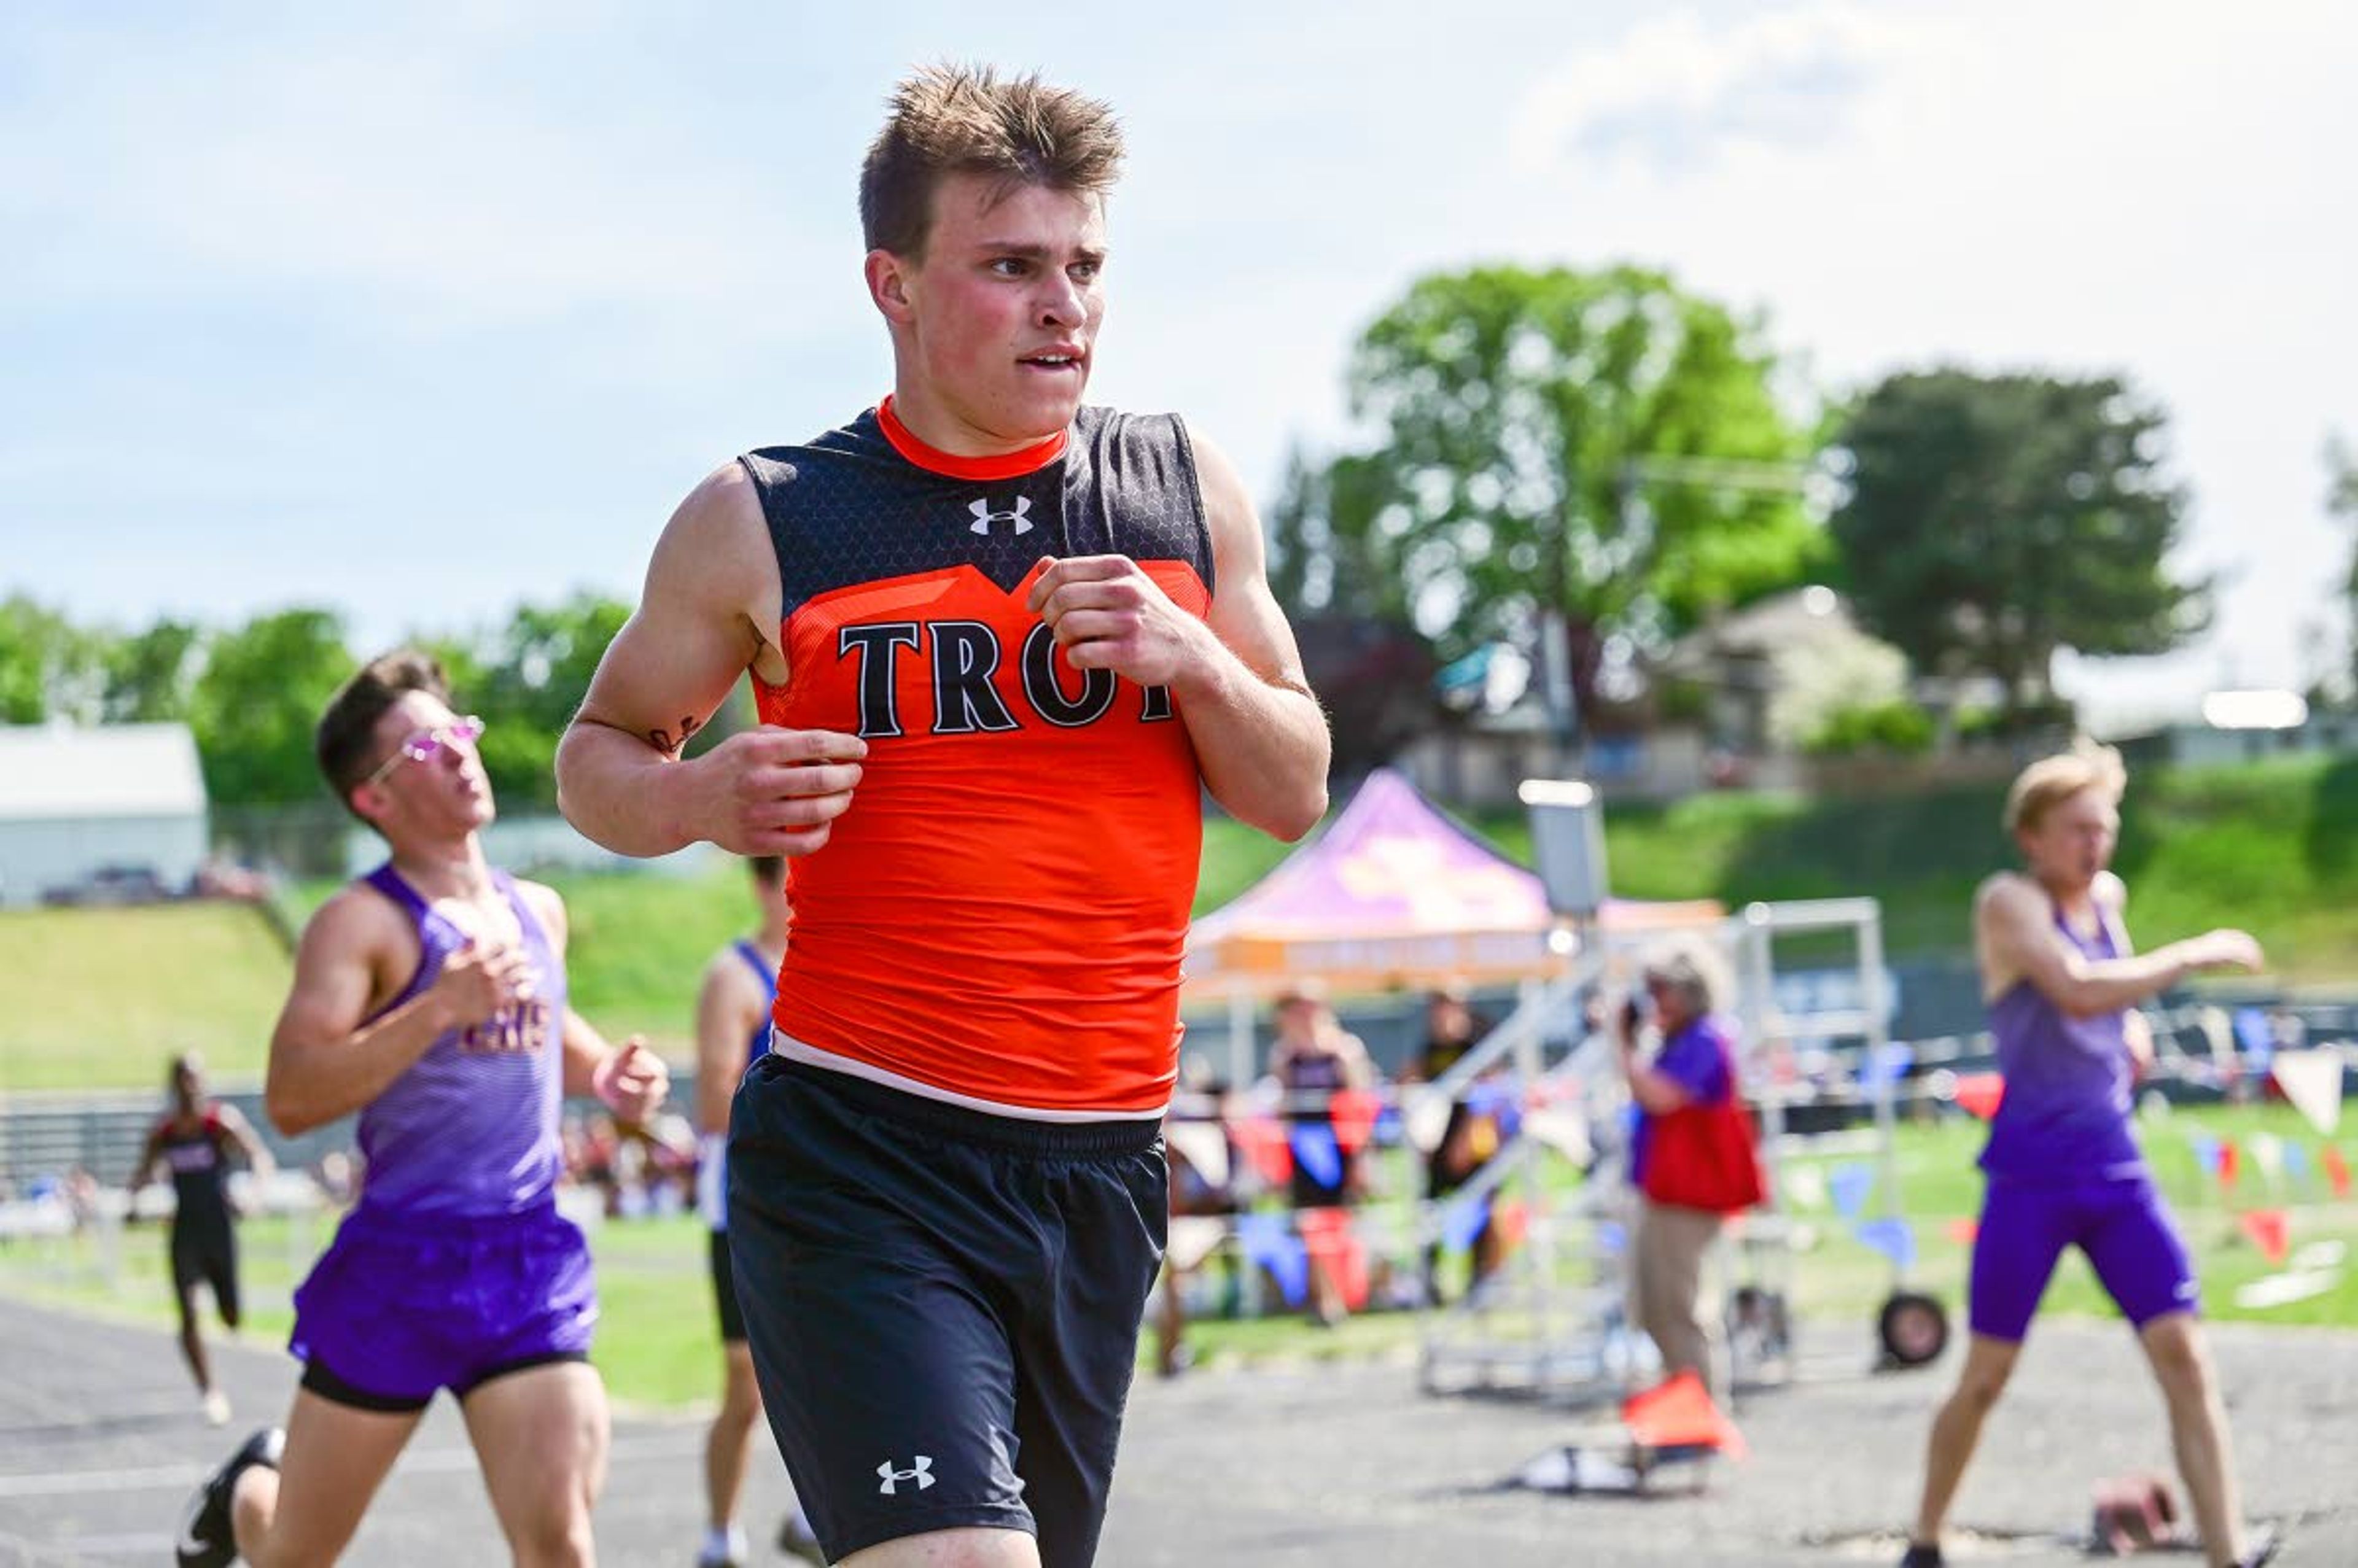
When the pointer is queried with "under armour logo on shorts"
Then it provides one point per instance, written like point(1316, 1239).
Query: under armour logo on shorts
point(923, 1473)
point(984, 517)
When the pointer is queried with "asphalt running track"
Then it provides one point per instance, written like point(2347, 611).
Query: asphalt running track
point(1289, 1466)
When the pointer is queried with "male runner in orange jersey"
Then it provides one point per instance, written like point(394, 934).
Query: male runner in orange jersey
point(1000, 643)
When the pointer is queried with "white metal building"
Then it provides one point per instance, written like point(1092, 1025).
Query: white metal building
point(75, 800)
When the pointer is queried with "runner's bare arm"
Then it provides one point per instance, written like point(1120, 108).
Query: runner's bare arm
point(153, 1151)
point(708, 613)
point(2015, 935)
point(634, 1074)
point(728, 1010)
point(1259, 735)
point(240, 1132)
point(1656, 1092)
point(327, 1058)
point(630, 1079)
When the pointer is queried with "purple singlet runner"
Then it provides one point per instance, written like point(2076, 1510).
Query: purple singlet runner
point(455, 1266)
point(2064, 1167)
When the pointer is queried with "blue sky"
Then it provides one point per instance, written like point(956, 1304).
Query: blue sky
point(418, 311)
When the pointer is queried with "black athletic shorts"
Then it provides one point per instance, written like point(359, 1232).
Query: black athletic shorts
point(724, 1291)
point(205, 1252)
point(942, 1305)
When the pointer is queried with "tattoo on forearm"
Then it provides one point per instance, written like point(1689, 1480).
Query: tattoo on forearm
point(663, 739)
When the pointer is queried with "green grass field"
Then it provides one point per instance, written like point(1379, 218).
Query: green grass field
point(101, 996)
point(658, 1347)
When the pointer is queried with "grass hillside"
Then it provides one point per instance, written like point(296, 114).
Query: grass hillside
point(98, 996)
point(2271, 847)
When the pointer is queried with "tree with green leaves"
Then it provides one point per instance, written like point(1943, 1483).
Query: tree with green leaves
point(2342, 502)
point(1515, 416)
point(258, 701)
point(1994, 519)
point(151, 676)
point(527, 680)
point(50, 668)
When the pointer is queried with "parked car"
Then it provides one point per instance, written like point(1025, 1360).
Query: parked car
point(112, 885)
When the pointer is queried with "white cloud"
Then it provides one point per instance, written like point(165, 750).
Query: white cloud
point(1673, 92)
point(256, 245)
point(2090, 189)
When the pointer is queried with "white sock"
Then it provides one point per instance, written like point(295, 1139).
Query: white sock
point(728, 1545)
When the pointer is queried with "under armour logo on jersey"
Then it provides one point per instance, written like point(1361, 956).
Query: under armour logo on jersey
point(984, 517)
point(921, 1473)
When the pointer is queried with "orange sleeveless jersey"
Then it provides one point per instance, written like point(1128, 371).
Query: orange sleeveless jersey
point(999, 916)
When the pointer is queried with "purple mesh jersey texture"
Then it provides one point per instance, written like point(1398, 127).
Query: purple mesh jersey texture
point(2065, 1116)
point(470, 1129)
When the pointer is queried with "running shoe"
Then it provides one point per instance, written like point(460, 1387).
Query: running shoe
point(206, 1538)
point(795, 1540)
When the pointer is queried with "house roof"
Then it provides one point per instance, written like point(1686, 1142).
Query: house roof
point(51, 771)
point(1781, 621)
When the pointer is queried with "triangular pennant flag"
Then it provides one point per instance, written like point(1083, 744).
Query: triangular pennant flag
point(1289, 1263)
point(1333, 1244)
point(1270, 1243)
point(1562, 1131)
point(2230, 1163)
point(1851, 1181)
point(1204, 1146)
point(1461, 1221)
point(1981, 1093)
point(2253, 1034)
point(2337, 1171)
point(1263, 1142)
point(2296, 1160)
point(2268, 1154)
point(1680, 1414)
point(2218, 1033)
point(1193, 1238)
point(2311, 1080)
point(1892, 1237)
point(2267, 1229)
point(1355, 1112)
point(1315, 1148)
point(1427, 1117)
point(1805, 1186)
point(1354, 1277)
point(1510, 1120)
point(2206, 1151)
point(1259, 1232)
point(1887, 1063)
